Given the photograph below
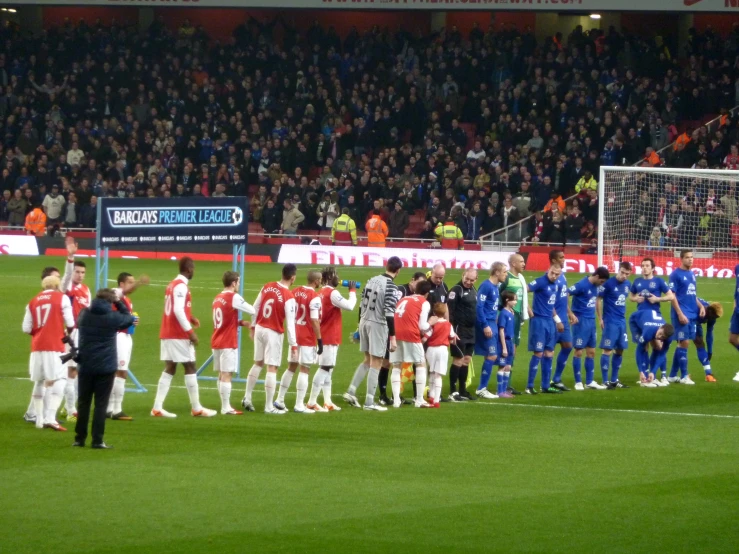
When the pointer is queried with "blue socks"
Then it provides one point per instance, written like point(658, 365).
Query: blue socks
point(680, 362)
point(616, 366)
point(506, 380)
point(589, 370)
point(487, 373)
point(546, 372)
point(577, 369)
point(703, 359)
point(533, 369)
point(501, 382)
point(605, 361)
point(643, 361)
point(562, 357)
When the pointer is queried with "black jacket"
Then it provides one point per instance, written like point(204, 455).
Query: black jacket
point(463, 310)
point(98, 326)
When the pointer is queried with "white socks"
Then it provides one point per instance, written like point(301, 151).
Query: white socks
point(116, 395)
point(372, 377)
point(55, 395)
point(165, 380)
point(251, 381)
point(191, 382)
point(287, 378)
point(420, 382)
point(70, 395)
point(435, 389)
point(270, 382)
point(302, 388)
point(395, 382)
point(359, 376)
point(327, 387)
point(224, 389)
point(316, 386)
point(37, 400)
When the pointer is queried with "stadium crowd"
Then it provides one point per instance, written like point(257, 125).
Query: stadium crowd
point(483, 130)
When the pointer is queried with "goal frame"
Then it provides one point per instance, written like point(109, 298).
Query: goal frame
point(631, 169)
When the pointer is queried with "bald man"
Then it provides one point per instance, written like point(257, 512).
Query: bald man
point(462, 307)
point(516, 282)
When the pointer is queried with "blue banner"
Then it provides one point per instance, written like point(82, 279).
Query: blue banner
point(199, 220)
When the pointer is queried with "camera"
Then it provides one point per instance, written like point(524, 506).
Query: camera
point(73, 353)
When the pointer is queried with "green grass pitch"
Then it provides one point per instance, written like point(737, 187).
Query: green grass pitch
point(638, 470)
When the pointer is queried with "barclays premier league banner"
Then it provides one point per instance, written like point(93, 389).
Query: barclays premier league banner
point(172, 221)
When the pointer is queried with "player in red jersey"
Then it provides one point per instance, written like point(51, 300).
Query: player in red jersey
point(127, 284)
point(437, 352)
point(332, 303)
point(275, 311)
point(308, 334)
point(225, 339)
point(79, 295)
point(411, 321)
point(46, 318)
point(30, 415)
point(178, 341)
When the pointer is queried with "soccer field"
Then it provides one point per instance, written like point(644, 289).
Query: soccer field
point(637, 470)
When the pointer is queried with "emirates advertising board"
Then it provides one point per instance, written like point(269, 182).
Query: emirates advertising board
point(438, 5)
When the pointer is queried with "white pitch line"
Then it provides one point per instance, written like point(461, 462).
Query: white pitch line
point(611, 410)
point(501, 404)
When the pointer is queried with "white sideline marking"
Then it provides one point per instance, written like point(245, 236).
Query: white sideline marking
point(151, 386)
point(612, 410)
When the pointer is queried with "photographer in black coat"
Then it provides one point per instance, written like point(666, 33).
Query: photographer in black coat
point(97, 361)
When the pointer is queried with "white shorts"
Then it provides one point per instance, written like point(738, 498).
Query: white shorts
point(179, 351)
point(224, 359)
point(328, 358)
point(303, 355)
point(373, 338)
point(408, 352)
point(75, 336)
point(268, 346)
point(46, 366)
point(438, 359)
point(124, 345)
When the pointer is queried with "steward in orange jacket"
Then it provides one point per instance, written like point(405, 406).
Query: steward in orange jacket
point(36, 222)
point(376, 229)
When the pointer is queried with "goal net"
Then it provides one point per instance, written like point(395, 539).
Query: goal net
point(656, 212)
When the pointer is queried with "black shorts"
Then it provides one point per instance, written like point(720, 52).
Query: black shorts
point(462, 348)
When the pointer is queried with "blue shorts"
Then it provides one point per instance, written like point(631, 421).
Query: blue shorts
point(734, 324)
point(507, 360)
point(542, 333)
point(584, 334)
point(614, 337)
point(565, 335)
point(684, 332)
point(485, 346)
point(635, 331)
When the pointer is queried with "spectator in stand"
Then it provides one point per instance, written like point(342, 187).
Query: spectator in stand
point(574, 223)
point(88, 214)
point(399, 221)
point(271, 218)
point(291, 218)
point(17, 208)
point(554, 228)
point(70, 215)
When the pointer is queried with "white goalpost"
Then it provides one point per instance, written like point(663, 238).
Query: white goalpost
point(656, 212)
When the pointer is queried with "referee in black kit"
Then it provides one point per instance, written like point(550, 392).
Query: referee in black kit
point(462, 306)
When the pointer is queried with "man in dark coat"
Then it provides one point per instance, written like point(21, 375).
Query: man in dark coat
point(98, 361)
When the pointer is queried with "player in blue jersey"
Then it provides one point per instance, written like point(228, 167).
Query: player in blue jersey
point(545, 324)
point(704, 340)
point(486, 326)
point(564, 337)
point(611, 308)
point(649, 291)
point(506, 337)
point(584, 294)
point(734, 325)
point(686, 310)
point(648, 328)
